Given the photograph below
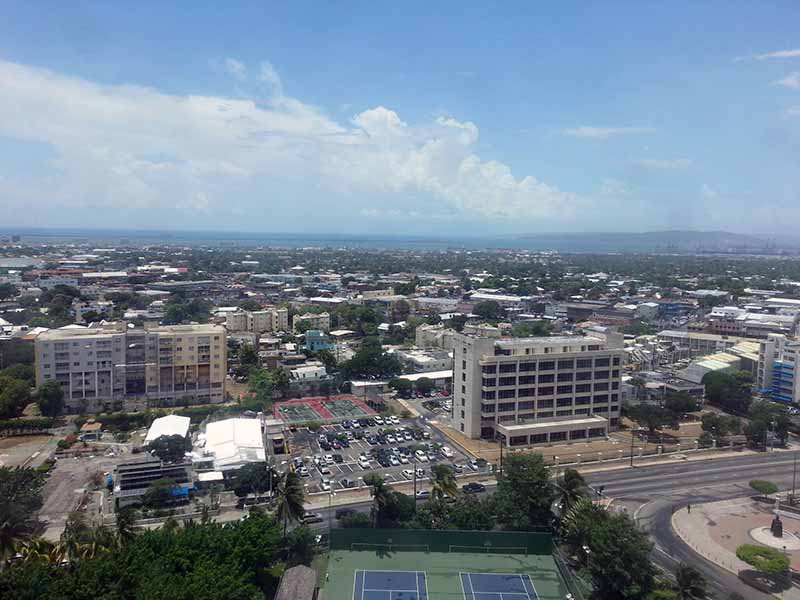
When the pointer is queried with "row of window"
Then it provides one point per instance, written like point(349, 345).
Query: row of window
point(544, 404)
point(550, 365)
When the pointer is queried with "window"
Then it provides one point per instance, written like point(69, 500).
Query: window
point(615, 361)
point(600, 398)
point(462, 414)
point(462, 427)
point(506, 394)
point(615, 373)
point(584, 363)
point(583, 376)
point(527, 366)
point(486, 368)
point(508, 368)
point(564, 413)
point(463, 376)
point(508, 381)
point(582, 388)
point(564, 389)
point(547, 365)
point(487, 395)
point(527, 379)
point(566, 364)
point(505, 407)
point(526, 405)
point(463, 364)
point(602, 362)
point(581, 400)
point(547, 378)
point(487, 408)
point(544, 404)
point(601, 374)
point(546, 391)
point(489, 382)
point(564, 402)
point(600, 387)
point(526, 392)
point(564, 377)
point(463, 389)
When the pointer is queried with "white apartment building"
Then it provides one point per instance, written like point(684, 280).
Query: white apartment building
point(259, 321)
point(115, 367)
point(537, 390)
point(321, 321)
point(777, 361)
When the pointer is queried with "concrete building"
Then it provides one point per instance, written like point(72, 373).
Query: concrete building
point(421, 361)
point(537, 390)
point(229, 444)
point(115, 367)
point(167, 426)
point(131, 480)
point(698, 343)
point(777, 362)
point(260, 321)
point(320, 321)
point(317, 340)
point(434, 336)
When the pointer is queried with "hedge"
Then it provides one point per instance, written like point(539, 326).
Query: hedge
point(764, 559)
point(38, 424)
point(764, 487)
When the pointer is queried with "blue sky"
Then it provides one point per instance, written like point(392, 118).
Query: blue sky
point(408, 118)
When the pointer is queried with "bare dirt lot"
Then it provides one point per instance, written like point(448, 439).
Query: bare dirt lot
point(25, 450)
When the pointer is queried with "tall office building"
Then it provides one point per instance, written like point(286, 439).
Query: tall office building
point(115, 367)
point(777, 362)
point(537, 390)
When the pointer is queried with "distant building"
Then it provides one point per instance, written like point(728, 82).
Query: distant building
point(778, 360)
point(317, 340)
point(131, 480)
point(229, 444)
point(320, 321)
point(115, 367)
point(261, 321)
point(167, 426)
point(420, 361)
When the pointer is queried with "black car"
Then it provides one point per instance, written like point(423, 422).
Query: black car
point(473, 488)
point(348, 483)
point(337, 458)
point(325, 446)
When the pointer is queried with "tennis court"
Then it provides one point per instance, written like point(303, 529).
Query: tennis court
point(390, 585)
point(407, 564)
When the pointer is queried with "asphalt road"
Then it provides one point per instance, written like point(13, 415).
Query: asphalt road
point(651, 493)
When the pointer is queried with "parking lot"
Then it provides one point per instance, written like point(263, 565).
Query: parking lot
point(339, 456)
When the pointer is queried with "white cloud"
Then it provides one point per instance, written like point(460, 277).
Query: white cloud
point(236, 69)
point(707, 192)
point(792, 111)
point(792, 81)
point(601, 133)
point(134, 147)
point(794, 53)
point(663, 163)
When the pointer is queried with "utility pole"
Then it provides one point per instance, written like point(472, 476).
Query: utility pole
point(414, 459)
point(794, 476)
point(631, 446)
point(501, 457)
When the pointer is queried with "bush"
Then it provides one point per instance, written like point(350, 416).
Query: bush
point(764, 559)
point(314, 425)
point(764, 487)
point(63, 444)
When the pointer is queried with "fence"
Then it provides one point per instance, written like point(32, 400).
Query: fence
point(506, 542)
point(576, 587)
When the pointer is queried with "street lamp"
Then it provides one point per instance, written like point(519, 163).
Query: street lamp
point(331, 494)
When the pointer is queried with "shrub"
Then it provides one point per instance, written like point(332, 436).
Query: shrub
point(764, 487)
point(63, 444)
point(764, 559)
point(314, 425)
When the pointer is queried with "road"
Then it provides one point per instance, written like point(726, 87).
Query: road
point(650, 493)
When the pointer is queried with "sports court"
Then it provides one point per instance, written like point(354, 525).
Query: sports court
point(405, 564)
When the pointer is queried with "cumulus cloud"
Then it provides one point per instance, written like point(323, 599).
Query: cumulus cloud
point(591, 132)
point(663, 163)
point(236, 69)
point(137, 147)
point(792, 81)
point(793, 53)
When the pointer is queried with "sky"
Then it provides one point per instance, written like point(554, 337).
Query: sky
point(411, 118)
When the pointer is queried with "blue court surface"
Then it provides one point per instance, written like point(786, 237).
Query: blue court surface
point(390, 585)
point(497, 586)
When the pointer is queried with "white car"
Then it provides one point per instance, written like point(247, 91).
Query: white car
point(394, 420)
point(407, 436)
point(403, 459)
point(394, 461)
point(325, 485)
point(329, 459)
point(408, 473)
point(363, 463)
point(324, 470)
point(302, 471)
point(356, 425)
point(421, 456)
point(391, 439)
point(420, 472)
point(473, 464)
point(378, 420)
point(446, 452)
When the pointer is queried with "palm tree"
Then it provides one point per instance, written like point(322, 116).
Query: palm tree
point(577, 524)
point(690, 583)
point(125, 520)
point(572, 486)
point(41, 550)
point(10, 536)
point(380, 493)
point(443, 481)
point(290, 498)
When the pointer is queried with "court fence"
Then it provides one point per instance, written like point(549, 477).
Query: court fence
point(576, 586)
point(427, 540)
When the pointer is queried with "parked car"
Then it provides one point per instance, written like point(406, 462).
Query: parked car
point(423, 495)
point(364, 463)
point(403, 459)
point(408, 473)
point(309, 518)
point(458, 468)
point(446, 452)
point(347, 483)
point(393, 460)
point(421, 456)
point(325, 484)
point(473, 488)
point(473, 464)
point(324, 470)
point(420, 472)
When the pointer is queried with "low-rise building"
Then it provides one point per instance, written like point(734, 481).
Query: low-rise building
point(320, 321)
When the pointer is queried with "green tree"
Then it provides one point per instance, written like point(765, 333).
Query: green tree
point(532, 329)
point(300, 545)
point(254, 478)
point(424, 385)
point(15, 395)
point(20, 371)
point(690, 583)
point(50, 397)
point(290, 498)
point(443, 481)
point(524, 492)
point(159, 493)
point(619, 559)
point(371, 361)
point(680, 403)
point(380, 492)
point(20, 498)
point(7, 291)
point(488, 309)
point(730, 391)
point(402, 386)
point(653, 417)
point(260, 386)
point(250, 305)
point(170, 448)
point(125, 519)
point(571, 487)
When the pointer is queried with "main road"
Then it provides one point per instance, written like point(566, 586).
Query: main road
point(651, 493)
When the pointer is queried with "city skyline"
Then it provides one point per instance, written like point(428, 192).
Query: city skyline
point(357, 119)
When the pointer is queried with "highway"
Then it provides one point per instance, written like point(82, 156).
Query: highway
point(651, 492)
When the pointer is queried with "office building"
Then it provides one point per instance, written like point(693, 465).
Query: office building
point(320, 321)
point(115, 367)
point(777, 362)
point(537, 390)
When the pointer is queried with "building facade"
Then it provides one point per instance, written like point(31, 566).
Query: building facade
point(777, 361)
point(122, 368)
point(537, 390)
point(320, 321)
point(259, 321)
